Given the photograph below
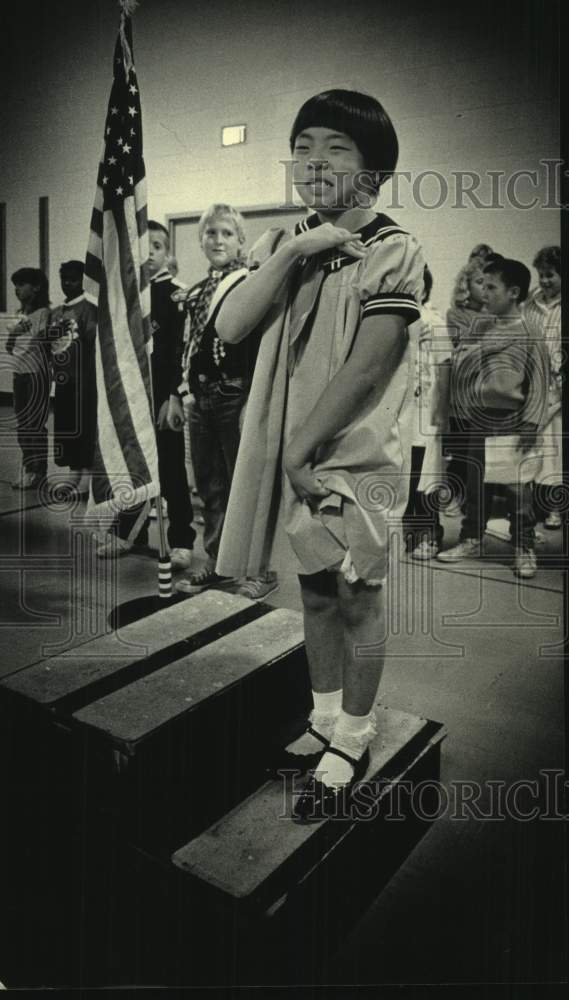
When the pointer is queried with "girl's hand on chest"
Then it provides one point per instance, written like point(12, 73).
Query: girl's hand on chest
point(326, 236)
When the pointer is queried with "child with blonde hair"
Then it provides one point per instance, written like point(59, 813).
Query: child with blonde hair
point(466, 321)
point(218, 377)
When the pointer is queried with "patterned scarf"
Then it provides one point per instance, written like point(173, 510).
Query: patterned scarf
point(201, 308)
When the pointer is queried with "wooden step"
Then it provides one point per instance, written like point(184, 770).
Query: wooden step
point(141, 736)
point(106, 744)
point(283, 896)
point(176, 749)
point(80, 675)
point(255, 852)
point(257, 899)
point(137, 711)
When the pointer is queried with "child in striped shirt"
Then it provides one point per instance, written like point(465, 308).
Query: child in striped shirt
point(542, 314)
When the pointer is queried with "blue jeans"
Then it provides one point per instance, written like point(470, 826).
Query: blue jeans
point(214, 440)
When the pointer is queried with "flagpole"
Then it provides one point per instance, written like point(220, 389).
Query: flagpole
point(165, 590)
point(164, 562)
point(117, 284)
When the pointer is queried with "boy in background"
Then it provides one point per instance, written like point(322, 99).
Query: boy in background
point(500, 387)
point(432, 350)
point(168, 330)
point(75, 403)
point(218, 377)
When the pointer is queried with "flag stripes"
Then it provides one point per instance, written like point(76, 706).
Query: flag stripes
point(126, 462)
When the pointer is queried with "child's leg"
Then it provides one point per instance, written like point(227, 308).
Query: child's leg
point(410, 527)
point(174, 487)
point(361, 613)
point(37, 461)
point(522, 515)
point(209, 471)
point(20, 400)
point(31, 404)
point(324, 639)
point(428, 512)
point(455, 443)
point(229, 403)
point(323, 631)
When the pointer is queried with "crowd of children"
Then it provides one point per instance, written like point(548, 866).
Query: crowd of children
point(496, 331)
point(291, 370)
point(487, 378)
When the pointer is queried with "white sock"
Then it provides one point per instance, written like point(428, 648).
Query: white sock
point(323, 717)
point(352, 735)
point(327, 703)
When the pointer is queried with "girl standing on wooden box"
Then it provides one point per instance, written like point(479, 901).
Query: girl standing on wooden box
point(323, 439)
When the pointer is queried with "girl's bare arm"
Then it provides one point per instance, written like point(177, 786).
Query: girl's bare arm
point(248, 302)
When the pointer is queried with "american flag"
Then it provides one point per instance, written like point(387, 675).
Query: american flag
point(125, 469)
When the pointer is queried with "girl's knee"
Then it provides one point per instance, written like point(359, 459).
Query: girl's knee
point(358, 603)
point(319, 593)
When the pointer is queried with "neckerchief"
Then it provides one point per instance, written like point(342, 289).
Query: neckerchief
point(200, 310)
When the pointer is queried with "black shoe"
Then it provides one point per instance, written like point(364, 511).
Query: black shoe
point(317, 801)
point(286, 760)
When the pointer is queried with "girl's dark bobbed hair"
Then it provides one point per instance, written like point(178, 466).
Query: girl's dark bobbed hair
point(359, 116)
point(33, 276)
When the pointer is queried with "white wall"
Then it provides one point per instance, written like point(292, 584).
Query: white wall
point(469, 87)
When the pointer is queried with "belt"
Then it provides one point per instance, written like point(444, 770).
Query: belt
point(204, 380)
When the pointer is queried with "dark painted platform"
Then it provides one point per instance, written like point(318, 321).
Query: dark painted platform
point(134, 772)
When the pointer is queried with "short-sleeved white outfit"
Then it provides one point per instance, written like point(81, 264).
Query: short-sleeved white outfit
point(366, 464)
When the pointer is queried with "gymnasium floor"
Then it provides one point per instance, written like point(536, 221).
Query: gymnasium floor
point(480, 900)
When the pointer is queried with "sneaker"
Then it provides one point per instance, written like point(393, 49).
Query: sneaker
point(203, 580)
point(552, 521)
point(468, 549)
point(114, 547)
point(256, 588)
point(525, 563)
point(453, 509)
point(427, 549)
point(181, 558)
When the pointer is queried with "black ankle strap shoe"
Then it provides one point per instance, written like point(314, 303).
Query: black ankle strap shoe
point(318, 801)
point(286, 760)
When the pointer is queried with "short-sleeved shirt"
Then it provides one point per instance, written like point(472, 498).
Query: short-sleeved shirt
point(431, 347)
point(28, 342)
point(543, 319)
point(364, 465)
